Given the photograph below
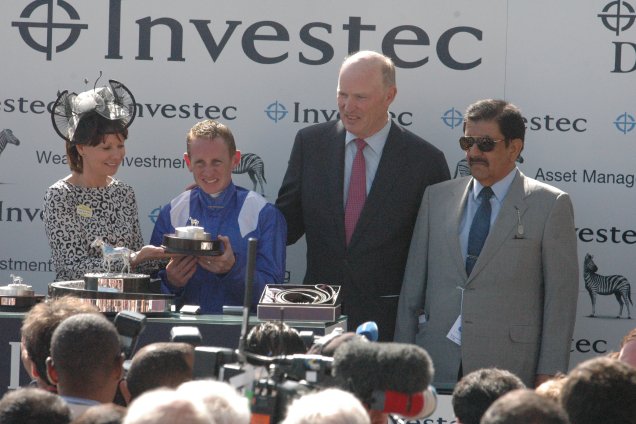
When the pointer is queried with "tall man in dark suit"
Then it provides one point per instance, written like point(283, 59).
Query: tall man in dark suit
point(353, 187)
point(507, 302)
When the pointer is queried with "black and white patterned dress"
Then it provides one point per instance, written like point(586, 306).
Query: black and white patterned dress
point(75, 216)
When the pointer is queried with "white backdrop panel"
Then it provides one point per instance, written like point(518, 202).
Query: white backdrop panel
point(555, 60)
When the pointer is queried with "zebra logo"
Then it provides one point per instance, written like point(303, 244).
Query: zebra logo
point(606, 285)
point(7, 137)
point(253, 165)
point(462, 169)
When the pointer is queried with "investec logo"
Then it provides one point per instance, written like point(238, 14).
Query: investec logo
point(625, 122)
point(315, 39)
point(74, 28)
point(619, 17)
point(277, 111)
point(12, 213)
point(453, 118)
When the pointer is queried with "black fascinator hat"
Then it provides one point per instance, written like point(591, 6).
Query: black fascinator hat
point(113, 102)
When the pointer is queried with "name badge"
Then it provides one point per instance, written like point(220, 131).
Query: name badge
point(84, 211)
point(455, 333)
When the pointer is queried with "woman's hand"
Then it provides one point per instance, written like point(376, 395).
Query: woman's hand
point(147, 253)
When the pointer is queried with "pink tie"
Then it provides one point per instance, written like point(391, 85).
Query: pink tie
point(357, 190)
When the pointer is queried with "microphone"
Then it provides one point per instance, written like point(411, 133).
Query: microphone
point(398, 373)
point(247, 300)
point(369, 330)
point(414, 406)
point(400, 367)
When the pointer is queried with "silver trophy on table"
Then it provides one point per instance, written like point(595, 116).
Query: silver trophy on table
point(112, 280)
point(116, 289)
point(18, 296)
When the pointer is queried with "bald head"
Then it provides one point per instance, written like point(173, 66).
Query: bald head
point(366, 89)
point(372, 61)
point(224, 404)
point(167, 406)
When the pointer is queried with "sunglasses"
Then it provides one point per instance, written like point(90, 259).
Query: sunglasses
point(485, 144)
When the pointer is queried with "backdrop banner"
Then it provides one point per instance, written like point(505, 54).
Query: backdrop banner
point(269, 68)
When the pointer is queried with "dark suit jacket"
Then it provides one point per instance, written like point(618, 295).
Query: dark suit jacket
point(371, 268)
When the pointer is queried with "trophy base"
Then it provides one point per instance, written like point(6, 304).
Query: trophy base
point(111, 302)
point(16, 303)
point(192, 247)
point(120, 282)
point(18, 297)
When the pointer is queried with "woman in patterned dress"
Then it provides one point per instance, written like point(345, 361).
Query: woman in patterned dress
point(90, 203)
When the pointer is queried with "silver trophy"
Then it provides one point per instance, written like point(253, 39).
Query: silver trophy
point(18, 296)
point(192, 240)
point(115, 280)
point(115, 289)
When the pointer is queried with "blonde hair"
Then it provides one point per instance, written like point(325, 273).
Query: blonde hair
point(211, 129)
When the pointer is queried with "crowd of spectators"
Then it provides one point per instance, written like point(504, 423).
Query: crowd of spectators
point(77, 376)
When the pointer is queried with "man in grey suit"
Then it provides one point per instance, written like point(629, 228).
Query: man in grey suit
point(510, 304)
point(366, 257)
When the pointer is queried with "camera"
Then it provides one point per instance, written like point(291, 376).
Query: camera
point(288, 377)
point(270, 382)
point(129, 326)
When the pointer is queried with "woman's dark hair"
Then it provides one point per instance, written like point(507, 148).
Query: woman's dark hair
point(91, 131)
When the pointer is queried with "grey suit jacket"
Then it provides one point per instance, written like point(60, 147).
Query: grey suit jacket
point(371, 268)
point(519, 303)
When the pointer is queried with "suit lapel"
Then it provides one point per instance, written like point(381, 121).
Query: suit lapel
point(513, 207)
point(459, 196)
point(334, 181)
